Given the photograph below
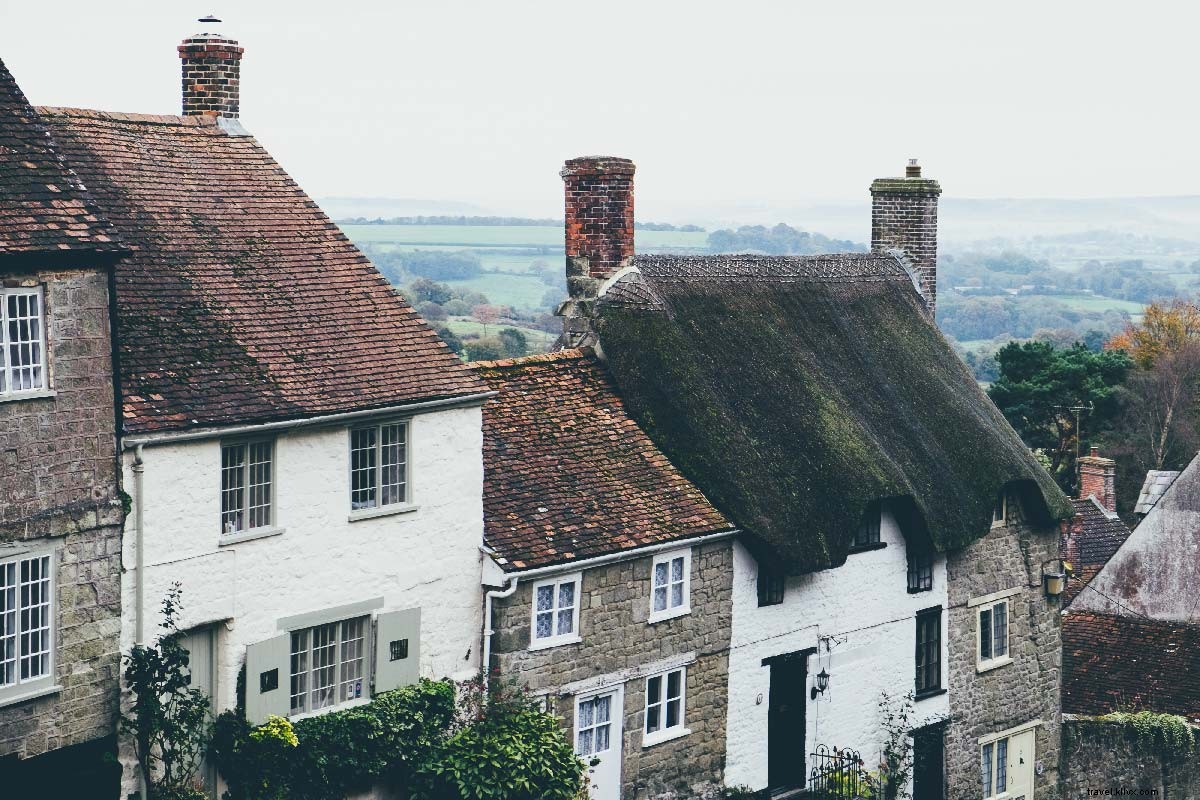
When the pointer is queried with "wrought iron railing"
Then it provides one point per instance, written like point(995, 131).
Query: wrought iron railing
point(839, 774)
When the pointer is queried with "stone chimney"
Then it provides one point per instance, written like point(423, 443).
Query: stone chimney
point(599, 237)
point(211, 74)
point(1098, 479)
point(904, 217)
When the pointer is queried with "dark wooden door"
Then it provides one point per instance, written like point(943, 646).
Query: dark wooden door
point(929, 749)
point(785, 721)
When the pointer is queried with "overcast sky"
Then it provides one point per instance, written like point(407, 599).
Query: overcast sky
point(721, 104)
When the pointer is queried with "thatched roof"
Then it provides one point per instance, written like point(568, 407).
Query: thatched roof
point(794, 392)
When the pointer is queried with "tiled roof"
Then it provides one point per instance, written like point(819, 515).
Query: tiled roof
point(241, 302)
point(43, 205)
point(1099, 534)
point(568, 474)
point(1130, 664)
point(1157, 482)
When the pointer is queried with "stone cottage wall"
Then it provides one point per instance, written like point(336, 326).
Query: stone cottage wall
point(1098, 758)
point(1029, 688)
point(614, 606)
point(58, 487)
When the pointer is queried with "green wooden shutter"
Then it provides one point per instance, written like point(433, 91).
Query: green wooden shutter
point(268, 678)
point(397, 649)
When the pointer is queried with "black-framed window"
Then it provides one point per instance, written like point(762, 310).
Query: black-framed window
point(920, 570)
point(770, 586)
point(929, 652)
point(866, 535)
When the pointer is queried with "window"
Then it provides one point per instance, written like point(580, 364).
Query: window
point(866, 536)
point(929, 652)
point(26, 607)
point(1000, 511)
point(920, 570)
point(593, 724)
point(555, 611)
point(670, 578)
point(993, 634)
point(770, 586)
point(664, 706)
point(246, 485)
point(379, 466)
point(994, 767)
point(22, 341)
point(328, 664)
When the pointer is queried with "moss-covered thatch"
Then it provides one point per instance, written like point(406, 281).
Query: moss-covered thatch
point(796, 391)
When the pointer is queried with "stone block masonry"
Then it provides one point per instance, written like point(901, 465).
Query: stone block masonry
point(616, 638)
point(904, 217)
point(1099, 757)
point(58, 493)
point(1024, 691)
point(212, 68)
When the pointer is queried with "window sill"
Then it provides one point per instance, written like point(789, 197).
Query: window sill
point(866, 548)
point(358, 701)
point(918, 591)
point(30, 694)
point(663, 616)
point(39, 394)
point(546, 644)
point(919, 696)
point(996, 663)
point(384, 511)
point(658, 737)
point(250, 535)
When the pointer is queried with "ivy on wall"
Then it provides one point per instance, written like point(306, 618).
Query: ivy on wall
point(1165, 733)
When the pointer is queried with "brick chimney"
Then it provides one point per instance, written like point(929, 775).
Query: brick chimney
point(211, 74)
point(904, 217)
point(599, 237)
point(1098, 478)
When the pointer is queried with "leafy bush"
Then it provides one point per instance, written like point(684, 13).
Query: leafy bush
point(1166, 733)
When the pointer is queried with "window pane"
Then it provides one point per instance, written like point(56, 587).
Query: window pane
point(23, 332)
point(654, 690)
point(660, 598)
point(585, 743)
point(586, 713)
point(259, 511)
point(652, 718)
point(566, 622)
point(985, 641)
point(393, 463)
point(676, 595)
point(35, 615)
point(1000, 628)
point(602, 735)
point(566, 595)
point(299, 670)
point(660, 574)
point(362, 468)
point(545, 624)
point(672, 713)
point(677, 569)
point(8, 623)
point(324, 665)
point(545, 598)
point(602, 708)
point(353, 647)
point(233, 487)
point(673, 683)
point(1001, 765)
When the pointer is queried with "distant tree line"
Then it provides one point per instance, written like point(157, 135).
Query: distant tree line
point(780, 240)
point(506, 221)
point(982, 274)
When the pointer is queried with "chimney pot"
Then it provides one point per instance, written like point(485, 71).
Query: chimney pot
point(913, 170)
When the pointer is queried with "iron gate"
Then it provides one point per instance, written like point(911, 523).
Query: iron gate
point(839, 773)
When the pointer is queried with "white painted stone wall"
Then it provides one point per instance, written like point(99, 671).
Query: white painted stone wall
point(428, 558)
point(865, 607)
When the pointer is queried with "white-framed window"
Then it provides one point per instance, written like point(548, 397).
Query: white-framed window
point(670, 585)
point(992, 633)
point(22, 341)
point(594, 723)
point(329, 664)
point(26, 623)
point(1000, 510)
point(993, 766)
point(247, 485)
point(555, 611)
point(379, 466)
point(666, 695)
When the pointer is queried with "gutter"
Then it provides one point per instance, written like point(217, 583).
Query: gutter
point(307, 422)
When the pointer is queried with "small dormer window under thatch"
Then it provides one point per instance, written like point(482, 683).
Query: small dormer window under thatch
point(866, 536)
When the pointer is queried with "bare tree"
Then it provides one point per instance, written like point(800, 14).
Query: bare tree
point(1161, 418)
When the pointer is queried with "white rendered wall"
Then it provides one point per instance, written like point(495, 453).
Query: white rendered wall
point(428, 558)
point(865, 606)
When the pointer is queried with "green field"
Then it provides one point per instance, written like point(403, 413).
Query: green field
point(1095, 302)
point(507, 289)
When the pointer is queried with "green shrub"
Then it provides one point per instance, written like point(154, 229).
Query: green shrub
point(1165, 733)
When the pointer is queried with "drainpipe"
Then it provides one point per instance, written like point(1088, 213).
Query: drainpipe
point(139, 468)
point(487, 626)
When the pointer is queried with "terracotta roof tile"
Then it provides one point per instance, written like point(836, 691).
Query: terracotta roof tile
point(43, 205)
point(241, 301)
point(1097, 537)
point(568, 474)
point(1130, 664)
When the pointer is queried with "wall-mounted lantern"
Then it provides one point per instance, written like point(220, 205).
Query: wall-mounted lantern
point(1054, 577)
point(822, 684)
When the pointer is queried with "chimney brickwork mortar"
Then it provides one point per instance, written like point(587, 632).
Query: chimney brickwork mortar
point(599, 237)
point(211, 75)
point(904, 217)
point(1098, 478)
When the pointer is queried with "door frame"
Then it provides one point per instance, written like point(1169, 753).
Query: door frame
point(1031, 728)
point(798, 658)
point(616, 717)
